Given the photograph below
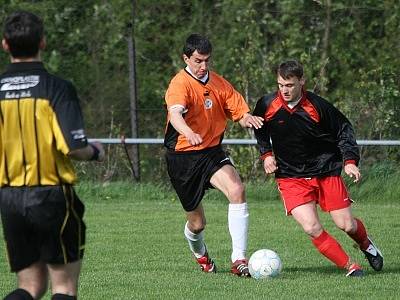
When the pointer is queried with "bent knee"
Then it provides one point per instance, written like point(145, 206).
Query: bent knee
point(347, 226)
point(197, 229)
point(313, 229)
point(197, 226)
point(236, 193)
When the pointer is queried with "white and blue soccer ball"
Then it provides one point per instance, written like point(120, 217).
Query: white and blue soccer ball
point(264, 264)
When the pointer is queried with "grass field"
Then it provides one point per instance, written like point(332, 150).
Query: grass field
point(136, 249)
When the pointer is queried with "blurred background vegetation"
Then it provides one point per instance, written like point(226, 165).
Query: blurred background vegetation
point(349, 48)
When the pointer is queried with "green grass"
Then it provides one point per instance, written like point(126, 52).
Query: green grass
point(136, 248)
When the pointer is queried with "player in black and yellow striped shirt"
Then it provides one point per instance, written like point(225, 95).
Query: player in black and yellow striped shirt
point(41, 129)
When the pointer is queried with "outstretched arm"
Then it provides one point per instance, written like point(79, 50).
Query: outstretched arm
point(262, 133)
point(250, 121)
point(93, 151)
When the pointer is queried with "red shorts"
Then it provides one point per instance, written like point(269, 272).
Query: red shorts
point(329, 192)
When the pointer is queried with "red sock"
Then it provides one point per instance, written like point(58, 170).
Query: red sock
point(331, 249)
point(360, 236)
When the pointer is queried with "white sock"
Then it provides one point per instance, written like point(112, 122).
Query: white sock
point(238, 222)
point(196, 242)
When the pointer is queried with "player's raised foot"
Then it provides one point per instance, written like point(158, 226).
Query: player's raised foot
point(374, 256)
point(206, 264)
point(355, 271)
point(240, 268)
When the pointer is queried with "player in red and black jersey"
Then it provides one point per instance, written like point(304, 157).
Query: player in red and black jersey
point(41, 130)
point(306, 142)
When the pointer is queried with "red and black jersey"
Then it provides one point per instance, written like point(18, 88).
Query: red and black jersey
point(311, 139)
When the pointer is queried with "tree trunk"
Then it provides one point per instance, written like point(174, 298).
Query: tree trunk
point(134, 149)
point(321, 86)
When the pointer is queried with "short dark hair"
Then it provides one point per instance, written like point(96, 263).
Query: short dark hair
point(290, 68)
point(23, 32)
point(197, 42)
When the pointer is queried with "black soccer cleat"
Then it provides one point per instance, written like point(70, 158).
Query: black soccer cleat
point(374, 256)
point(355, 271)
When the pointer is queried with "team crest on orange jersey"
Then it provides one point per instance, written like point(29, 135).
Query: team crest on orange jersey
point(208, 103)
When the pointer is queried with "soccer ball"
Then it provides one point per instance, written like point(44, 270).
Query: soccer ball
point(264, 263)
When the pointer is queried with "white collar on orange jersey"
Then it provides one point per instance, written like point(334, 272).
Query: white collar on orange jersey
point(203, 79)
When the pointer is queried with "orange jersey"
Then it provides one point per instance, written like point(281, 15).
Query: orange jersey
point(207, 107)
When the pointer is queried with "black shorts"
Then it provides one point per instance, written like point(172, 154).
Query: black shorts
point(42, 224)
point(190, 173)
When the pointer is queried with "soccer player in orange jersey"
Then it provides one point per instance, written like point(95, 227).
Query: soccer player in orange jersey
point(199, 103)
point(305, 141)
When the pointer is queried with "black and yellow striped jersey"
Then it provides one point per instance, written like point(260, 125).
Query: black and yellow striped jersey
point(41, 122)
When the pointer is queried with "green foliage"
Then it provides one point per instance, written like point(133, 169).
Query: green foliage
point(356, 68)
point(376, 181)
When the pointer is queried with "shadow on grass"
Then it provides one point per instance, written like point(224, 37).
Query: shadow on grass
point(328, 270)
point(387, 270)
point(295, 271)
point(316, 270)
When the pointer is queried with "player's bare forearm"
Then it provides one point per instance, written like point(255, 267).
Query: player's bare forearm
point(250, 121)
point(179, 123)
point(93, 151)
point(181, 126)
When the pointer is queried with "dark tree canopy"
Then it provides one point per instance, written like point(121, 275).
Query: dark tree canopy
point(349, 49)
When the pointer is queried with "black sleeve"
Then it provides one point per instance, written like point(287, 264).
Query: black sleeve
point(69, 116)
point(262, 134)
point(341, 130)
